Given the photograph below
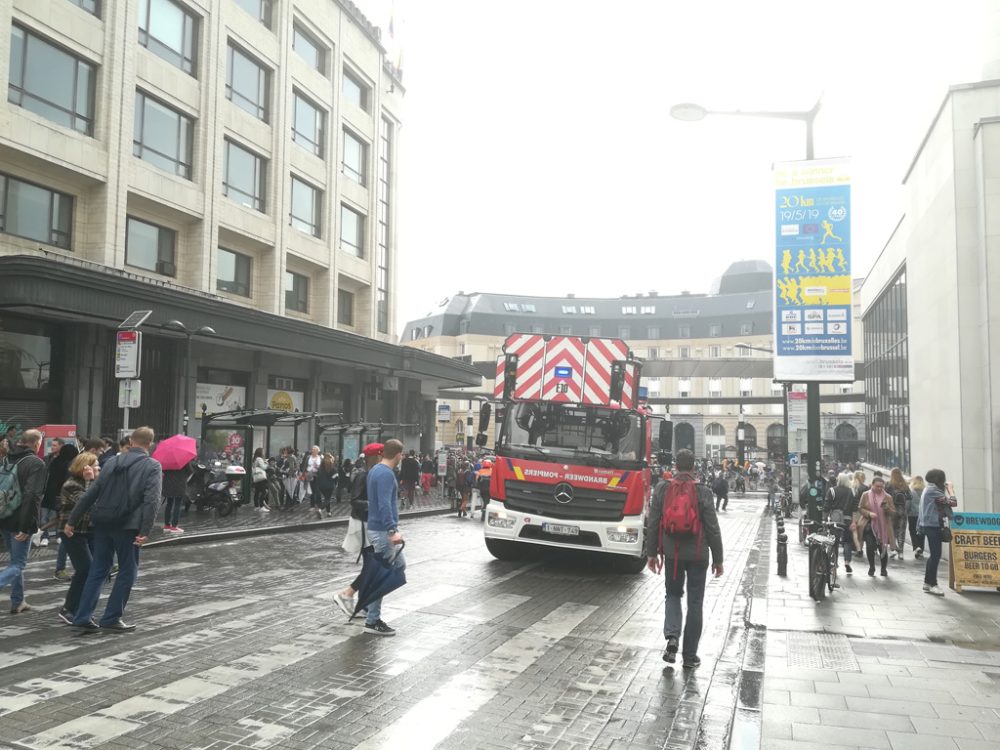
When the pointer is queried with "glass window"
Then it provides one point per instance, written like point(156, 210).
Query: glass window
point(296, 292)
point(648, 310)
point(886, 367)
point(306, 207)
point(684, 352)
point(595, 331)
point(355, 91)
point(715, 330)
point(715, 386)
point(150, 246)
point(355, 158)
point(653, 353)
point(345, 307)
point(169, 31)
point(569, 309)
point(233, 272)
point(715, 352)
point(653, 332)
point(162, 136)
point(683, 332)
point(51, 82)
point(624, 332)
point(310, 50)
point(508, 329)
point(629, 310)
point(259, 9)
point(25, 359)
point(684, 387)
point(245, 176)
point(746, 329)
point(35, 212)
point(307, 125)
point(382, 240)
point(91, 6)
point(511, 307)
point(565, 330)
point(247, 83)
point(746, 386)
point(352, 231)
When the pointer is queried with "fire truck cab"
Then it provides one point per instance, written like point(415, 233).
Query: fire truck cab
point(573, 449)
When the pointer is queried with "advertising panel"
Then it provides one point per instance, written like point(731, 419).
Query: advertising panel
point(285, 400)
point(974, 558)
point(213, 398)
point(812, 272)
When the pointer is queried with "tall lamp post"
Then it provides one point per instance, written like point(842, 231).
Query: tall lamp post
point(690, 112)
point(203, 331)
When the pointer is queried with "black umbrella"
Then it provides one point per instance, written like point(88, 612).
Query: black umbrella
point(378, 577)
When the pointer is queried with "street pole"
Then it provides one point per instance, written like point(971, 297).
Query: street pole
point(187, 382)
point(814, 441)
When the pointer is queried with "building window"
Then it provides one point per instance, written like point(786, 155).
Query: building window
point(51, 82)
point(345, 307)
point(247, 83)
point(355, 91)
point(569, 309)
point(683, 332)
point(746, 387)
point(845, 388)
point(751, 303)
point(233, 272)
point(308, 125)
point(746, 329)
point(382, 240)
point(245, 176)
point(259, 9)
point(508, 329)
point(715, 352)
point(35, 213)
point(684, 387)
point(307, 203)
point(653, 332)
point(715, 386)
point(352, 231)
point(162, 136)
point(715, 330)
point(150, 246)
point(511, 307)
point(742, 350)
point(169, 31)
point(595, 331)
point(296, 292)
point(355, 158)
point(91, 6)
point(588, 310)
point(565, 330)
point(537, 329)
point(684, 352)
point(624, 332)
point(629, 310)
point(309, 49)
point(528, 307)
point(653, 353)
point(648, 310)
point(887, 384)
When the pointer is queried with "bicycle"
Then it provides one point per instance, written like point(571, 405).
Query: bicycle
point(824, 552)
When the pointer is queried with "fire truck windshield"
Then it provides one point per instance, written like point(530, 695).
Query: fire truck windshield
point(587, 435)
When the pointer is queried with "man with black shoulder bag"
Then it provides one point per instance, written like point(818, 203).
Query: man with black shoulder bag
point(122, 502)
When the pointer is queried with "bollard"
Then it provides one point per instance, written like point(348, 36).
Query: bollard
point(782, 554)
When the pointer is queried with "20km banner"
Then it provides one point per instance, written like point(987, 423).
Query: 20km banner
point(812, 272)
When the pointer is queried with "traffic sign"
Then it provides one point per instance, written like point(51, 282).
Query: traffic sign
point(129, 393)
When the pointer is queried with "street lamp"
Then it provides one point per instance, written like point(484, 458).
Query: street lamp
point(691, 112)
point(203, 331)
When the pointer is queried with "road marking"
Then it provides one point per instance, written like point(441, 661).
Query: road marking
point(434, 718)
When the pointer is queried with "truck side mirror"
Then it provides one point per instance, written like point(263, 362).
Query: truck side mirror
point(509, 376)
point(484, 416)
point(617, 386)
point(666, 436)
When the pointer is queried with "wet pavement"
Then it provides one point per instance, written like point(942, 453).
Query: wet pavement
point(239, 646)
point(879, 664)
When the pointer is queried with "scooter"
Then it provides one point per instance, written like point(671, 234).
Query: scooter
point(217, 487)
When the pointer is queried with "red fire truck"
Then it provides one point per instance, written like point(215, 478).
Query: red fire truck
point(573, 448)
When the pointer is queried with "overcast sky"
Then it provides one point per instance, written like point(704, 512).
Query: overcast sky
point(539, 156)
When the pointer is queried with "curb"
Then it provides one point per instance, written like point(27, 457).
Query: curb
point(215, 536)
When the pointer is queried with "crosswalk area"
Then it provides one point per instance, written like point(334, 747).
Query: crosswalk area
point(239, 646)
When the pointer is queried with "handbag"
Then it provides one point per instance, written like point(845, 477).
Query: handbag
point(946, 533)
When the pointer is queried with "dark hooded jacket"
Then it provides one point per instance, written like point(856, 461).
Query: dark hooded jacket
point(31, 477)
point(57, 476)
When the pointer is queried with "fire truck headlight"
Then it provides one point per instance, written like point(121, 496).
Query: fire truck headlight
point(500, 520)
point(623, 535)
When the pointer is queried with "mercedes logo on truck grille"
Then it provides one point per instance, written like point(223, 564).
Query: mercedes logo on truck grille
point(563, 493)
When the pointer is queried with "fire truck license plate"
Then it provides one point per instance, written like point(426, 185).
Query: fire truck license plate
point(555, 528)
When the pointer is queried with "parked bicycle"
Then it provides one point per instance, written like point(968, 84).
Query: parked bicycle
point(824, 551)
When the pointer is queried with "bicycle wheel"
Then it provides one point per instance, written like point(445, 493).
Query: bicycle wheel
point(818, 565)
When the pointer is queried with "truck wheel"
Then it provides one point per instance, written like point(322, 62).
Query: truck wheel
point(502, 549)
point(630, 564)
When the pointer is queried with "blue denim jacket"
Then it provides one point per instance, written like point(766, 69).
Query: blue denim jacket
point(383, 494)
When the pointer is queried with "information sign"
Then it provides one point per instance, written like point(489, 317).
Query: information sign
point(129, 393)
point(974, 558)
point(812, 272)
point(798, 421)
point(128, 349)
point(442, 462)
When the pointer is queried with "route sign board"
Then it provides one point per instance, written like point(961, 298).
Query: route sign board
point(128, 351)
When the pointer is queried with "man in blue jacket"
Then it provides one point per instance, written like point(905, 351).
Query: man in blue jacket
point(131, 480)
point(383, 523)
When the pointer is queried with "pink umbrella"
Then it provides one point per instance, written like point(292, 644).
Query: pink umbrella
point(175, 452)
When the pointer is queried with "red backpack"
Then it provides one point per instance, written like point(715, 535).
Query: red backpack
point(680, 513)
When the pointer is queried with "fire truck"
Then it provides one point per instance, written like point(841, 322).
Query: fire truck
point(573, 449)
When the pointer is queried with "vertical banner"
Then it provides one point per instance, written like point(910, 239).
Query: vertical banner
point(812, 272)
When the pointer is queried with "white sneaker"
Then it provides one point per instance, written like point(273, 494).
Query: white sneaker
point(933, 590)
point(264, 509)
point(345, 603)
point(44, 542)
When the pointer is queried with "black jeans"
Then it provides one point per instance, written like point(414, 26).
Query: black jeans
point(723, 500)
point(172, 511)
point(916, 534)
point(260, 494)
point(933, 536)
point(696, 572)
point(79, 549)
point(871, 549)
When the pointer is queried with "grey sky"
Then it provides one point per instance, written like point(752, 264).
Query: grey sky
point(540, 157)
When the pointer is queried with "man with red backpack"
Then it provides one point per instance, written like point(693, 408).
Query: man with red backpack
point(681, 529)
